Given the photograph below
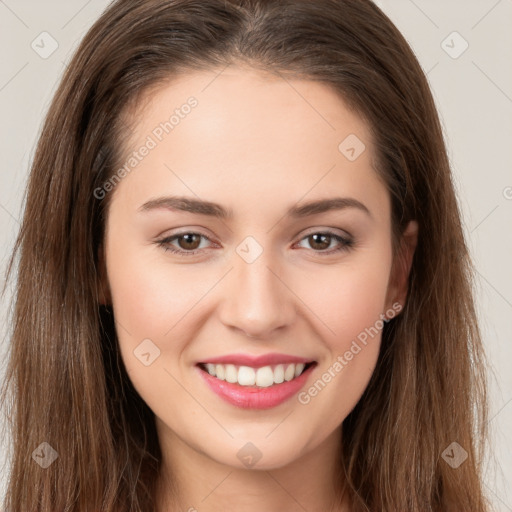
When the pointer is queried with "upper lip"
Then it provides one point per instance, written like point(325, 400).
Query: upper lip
point(256, 361)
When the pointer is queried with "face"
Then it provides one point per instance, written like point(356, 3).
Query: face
point(227, 266)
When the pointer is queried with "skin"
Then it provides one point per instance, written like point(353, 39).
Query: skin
point(257, 145)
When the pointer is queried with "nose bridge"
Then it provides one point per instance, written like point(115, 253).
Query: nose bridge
point(256, 301)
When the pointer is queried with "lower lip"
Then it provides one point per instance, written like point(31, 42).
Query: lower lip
point(253, 397)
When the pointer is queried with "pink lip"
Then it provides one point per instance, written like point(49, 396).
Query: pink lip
point(253, 397)
point(256, 361)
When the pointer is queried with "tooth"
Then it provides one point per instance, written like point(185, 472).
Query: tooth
point(299, 368)
point(289, 372)
point(261, 377)
point(219, 371)
point(279, 374)
point(231, 374)
point(246, 376)
point(264, 377)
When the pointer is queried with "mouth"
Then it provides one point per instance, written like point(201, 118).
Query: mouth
point(251, 387)
point(256, 377)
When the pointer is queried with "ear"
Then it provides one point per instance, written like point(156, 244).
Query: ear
point(104, 296)
point(399, 278)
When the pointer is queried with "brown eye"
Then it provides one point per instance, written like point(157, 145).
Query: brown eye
point(322, 242)
point(186, 244)
point(189, 241)
point(319, 241)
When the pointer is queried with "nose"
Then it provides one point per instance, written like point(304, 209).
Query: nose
point(257, 300)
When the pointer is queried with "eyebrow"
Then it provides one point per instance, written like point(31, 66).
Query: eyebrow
point(200, 207)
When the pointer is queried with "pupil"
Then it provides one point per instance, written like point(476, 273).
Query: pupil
point(188, 238)
point(323, 244)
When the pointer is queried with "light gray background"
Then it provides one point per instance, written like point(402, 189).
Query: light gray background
point(474, 95)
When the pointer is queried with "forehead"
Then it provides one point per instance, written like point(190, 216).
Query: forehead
point(242, 99)
point(248, 134)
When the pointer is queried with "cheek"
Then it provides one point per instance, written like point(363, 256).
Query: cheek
point(360, 304)
point(147, 297)
point(350, 299)
point(152, 306)
point(350, 304)
point(149, 302)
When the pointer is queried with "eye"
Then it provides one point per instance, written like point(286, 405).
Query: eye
point(188, 243)
point(321, 241)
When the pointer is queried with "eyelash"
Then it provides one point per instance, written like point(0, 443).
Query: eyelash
point(346, 243)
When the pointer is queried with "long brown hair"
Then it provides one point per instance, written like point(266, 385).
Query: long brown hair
point(66, 384)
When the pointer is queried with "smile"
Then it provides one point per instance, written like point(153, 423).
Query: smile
point(262, 377)
point(250, 387)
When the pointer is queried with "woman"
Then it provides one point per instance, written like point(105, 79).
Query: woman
point(202, 167)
